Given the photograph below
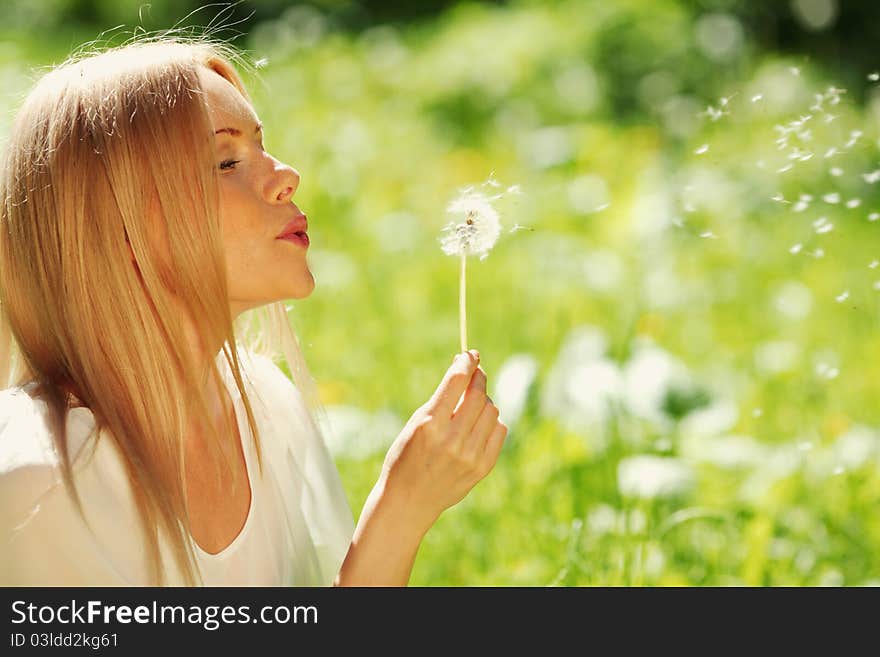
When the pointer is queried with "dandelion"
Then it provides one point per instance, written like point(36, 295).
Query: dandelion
point(822, 225)
point(800, 206)
point(714, 113)
point(796, 249)
point(874, 216)
point(787, 167)
point(874, 264)
point(843, 296)
point(830, 117)
point(874, 77)
point(517, 227)
point(709, 235)
point(853, 203)
point(779, 198)
point(702, 149)
point(831, 152)
point(475, 230)
point(836, 171)
point(872, 176)
point(651, 477)
point(826, 371)
point(832, 198)
point(262, 62)
point(757, 97)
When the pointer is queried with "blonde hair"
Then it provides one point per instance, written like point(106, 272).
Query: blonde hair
point(111, 148)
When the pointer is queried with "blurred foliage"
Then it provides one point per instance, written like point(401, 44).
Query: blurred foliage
point(680, 344)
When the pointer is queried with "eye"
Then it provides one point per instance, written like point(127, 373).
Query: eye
point(228, 164)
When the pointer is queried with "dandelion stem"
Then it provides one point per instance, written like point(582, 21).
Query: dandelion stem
point(462, 302)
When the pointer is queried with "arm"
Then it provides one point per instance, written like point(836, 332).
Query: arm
point(384, 545)
point(439, 456)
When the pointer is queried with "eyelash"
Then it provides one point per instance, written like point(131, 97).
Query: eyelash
point(228, 164)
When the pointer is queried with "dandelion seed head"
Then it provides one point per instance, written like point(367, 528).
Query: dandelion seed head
point(476, 227)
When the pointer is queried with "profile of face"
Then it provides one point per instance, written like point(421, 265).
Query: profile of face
point(256, 205)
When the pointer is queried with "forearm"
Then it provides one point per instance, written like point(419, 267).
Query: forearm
point(385, 543)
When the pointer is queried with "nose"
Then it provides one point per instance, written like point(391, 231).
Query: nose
point(285, 183)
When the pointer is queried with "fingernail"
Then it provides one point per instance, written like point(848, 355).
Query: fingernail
point(475, 354)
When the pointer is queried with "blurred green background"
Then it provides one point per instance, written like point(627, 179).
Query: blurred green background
point(683, 345)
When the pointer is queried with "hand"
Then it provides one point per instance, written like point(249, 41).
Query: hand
point(445, 449)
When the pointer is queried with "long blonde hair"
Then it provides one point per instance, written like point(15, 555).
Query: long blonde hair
point(108, 150)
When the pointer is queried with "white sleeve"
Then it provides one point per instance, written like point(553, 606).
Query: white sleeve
point(318, 511)
point(43, 539)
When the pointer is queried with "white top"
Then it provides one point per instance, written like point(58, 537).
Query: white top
point(297, 532)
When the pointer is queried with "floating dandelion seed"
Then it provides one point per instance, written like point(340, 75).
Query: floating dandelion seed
point(474, 231)
point(832, 198)
point(874, 216)
point(757, 97)
point(261, 62)
point(877, 285)
point(757, 412)
point(702, 149)
point(796, 249)
point(843, 296)
point(787, 167)
point(853, 203)
point(830, 117)
point(779, 198)
point(873, 77)
point(831, 152)
point(823, 226)
point(709, 235)
point(517, 227)
point(818, 253)
point(836, 171)
point(800, 206)
point(839, 470)
point(794, 70)
point(872, 176)
point(874, 264)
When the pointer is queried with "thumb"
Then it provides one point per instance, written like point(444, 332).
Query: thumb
point(455, 381)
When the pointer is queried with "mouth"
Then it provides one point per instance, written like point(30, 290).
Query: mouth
point(295, 231)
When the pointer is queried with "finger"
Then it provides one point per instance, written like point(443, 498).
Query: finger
point(494, 444)
point(471, 404)
point(454, 382)
point(482, 429)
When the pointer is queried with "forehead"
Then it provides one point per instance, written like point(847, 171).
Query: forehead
point(226, 106)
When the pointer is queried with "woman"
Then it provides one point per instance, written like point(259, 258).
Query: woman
point(140, 444)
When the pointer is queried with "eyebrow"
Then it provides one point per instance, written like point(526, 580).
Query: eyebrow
point(235, 132)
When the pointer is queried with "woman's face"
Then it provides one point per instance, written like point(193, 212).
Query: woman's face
point(256, 206)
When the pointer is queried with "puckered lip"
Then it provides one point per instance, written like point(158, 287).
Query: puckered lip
point(298, 224)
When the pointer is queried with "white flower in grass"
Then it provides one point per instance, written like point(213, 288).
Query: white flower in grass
point(476, 228)
point(653, 477)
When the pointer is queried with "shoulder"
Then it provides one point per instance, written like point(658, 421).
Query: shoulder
point(30, 464)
